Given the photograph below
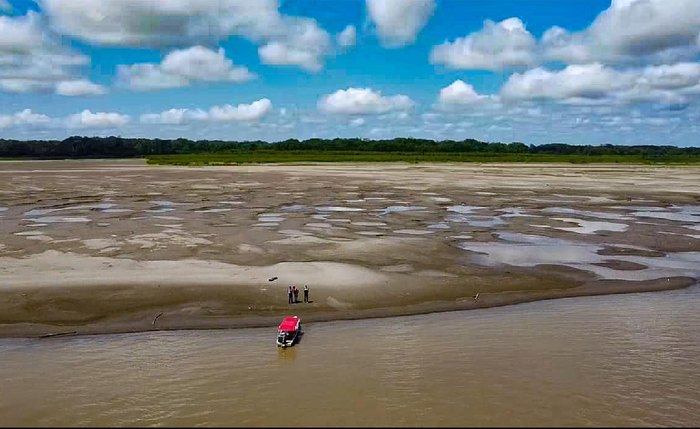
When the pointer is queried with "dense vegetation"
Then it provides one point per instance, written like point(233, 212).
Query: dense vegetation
point(186, 152)
point(359, 156)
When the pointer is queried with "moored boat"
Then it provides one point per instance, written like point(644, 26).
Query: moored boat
point(289, 331)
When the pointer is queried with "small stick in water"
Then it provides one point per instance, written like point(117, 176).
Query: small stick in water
point(156, 318)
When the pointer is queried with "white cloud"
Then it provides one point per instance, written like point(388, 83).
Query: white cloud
point(226, 113)
point(674, 76)
point(200, 63)
point(357, 122)
point(496, 46)
point(24, 117)
point(560, 45)
point(159, 23)
point(30, 60)
point(358, 101)
point(243, 112)
point(647, 26)
point(655, 31)
point(276, 53)
point(25, 85)
point(347, 37)
point(183, 22)
point(398, 22)
point(599, 84)
point(144, 77)
point(592, 81)
point(460, 93)
point(304, 44)
point(180, 68)
point(88, 119)
point(168, 117)
point(79, 87)
point(20, 34)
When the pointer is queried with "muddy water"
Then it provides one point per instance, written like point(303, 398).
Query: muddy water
point(611, 360)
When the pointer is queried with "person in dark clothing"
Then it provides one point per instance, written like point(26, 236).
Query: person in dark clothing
point(296, 294)
point(289, 294)
point(306, 293)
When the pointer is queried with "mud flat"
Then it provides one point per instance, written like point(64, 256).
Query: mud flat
point(118, 246)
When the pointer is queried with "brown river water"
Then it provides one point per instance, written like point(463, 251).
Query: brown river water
point(622, 360)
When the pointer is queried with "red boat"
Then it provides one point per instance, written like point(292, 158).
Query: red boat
point(289, 331)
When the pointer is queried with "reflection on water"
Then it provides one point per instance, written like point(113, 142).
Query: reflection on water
point(610, 360)
point(530, 250)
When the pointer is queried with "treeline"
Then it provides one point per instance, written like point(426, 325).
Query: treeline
point(117, 147)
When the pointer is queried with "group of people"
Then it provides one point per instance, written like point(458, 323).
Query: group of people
point(293, 294)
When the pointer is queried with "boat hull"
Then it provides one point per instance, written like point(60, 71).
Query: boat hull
point(288, 332)
point(288, 342)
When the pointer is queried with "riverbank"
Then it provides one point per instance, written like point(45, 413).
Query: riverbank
point(73, 295)
point(112, 246)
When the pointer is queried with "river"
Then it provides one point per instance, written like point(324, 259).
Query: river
point(620, 360)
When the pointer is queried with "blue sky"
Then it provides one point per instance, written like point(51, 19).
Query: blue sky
point(537, 71)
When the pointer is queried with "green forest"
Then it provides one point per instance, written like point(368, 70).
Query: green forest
point(203, 152)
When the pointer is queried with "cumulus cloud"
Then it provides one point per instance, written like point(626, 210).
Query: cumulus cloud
point(181, 68)
point(647, 26)
point(560, 45)
point(304, 45)
point(592, 81)
point(111, 22)
point(18, 85)
point(655, 31)
point(496, 46)
point(243, 112)
point(30, 60)
point(347, 37)
point(360, 101)
point(460, 93)
point(145, 77)
point(88, 119)
point(398, 22)
point(276, 53)
point(79, 87)
point(600, 84)
point(20, 34)
point(628, 32)
point(24, 117)
point(167, 117)
point(226, 113)
point(200, 63)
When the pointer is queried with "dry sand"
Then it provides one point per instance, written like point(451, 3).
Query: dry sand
point(118, 246)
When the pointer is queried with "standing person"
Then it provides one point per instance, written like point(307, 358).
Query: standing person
point(296, 294)
point(289, 294)
point(306, 293)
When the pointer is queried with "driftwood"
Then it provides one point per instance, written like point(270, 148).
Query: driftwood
point(58, 334)
point(156, 318)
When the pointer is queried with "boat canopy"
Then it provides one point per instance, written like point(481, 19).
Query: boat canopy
point(289, 324)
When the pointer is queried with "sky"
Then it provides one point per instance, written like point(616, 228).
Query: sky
point(534, 71)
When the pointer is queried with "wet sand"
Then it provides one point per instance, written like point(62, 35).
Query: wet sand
point(117, 246)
